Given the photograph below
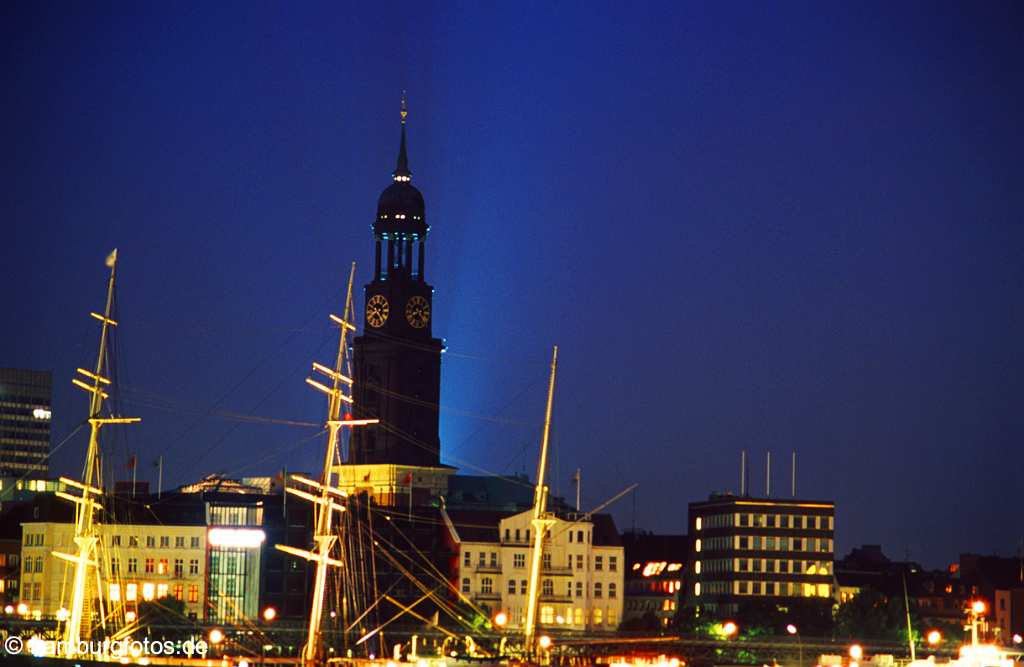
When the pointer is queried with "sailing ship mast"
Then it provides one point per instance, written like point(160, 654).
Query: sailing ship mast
point(323, 494)
point(542, 520)
point(87, 529)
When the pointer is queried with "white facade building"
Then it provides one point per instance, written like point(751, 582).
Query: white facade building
point(581, 581)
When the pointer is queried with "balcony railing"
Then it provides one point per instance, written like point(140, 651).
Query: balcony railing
point(490, 568)
point(555, 597)
point(557, 570)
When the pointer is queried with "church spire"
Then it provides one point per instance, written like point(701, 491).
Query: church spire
point(402, 172)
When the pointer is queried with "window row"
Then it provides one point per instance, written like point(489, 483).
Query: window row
point(783, 566)
point(787, 588)
point(151, 541)
point(799, 522)
point(152, 591)
point(490, 559)
point(763, 543)
point(547, 588)
point(578, 616)
point(154, 566)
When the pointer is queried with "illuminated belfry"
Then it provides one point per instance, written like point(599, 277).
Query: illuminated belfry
point(397, 360)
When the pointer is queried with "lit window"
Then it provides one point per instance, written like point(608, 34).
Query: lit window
point(193, 592)
point(547, 614)
point(696, 567)
point(161, 590)
point(597, 616)
point(115, 592)
point(696, 545)
point(131, 592)
point(148, 591)
point(699, 523)
point(465, 585)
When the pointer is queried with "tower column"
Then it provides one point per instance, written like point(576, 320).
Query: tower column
point(419, 271)
point(376, 262)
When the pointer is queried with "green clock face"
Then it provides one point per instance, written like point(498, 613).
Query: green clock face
point(377, 309)
point(417, 312)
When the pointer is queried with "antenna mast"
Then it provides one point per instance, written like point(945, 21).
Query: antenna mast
point(542, 520)
point(86, 527)
point(323, 493)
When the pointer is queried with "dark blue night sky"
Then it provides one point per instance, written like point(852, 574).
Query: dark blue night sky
point(765, 226)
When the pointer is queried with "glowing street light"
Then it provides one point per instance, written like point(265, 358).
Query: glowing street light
point(501, 619)
point(791, 629)
point(729, 628)
point(544, 642)
point(934, 637)
point(216, 636)
point(856, 652)
point(269, 614)
point(978, 607)
point(1017, 639)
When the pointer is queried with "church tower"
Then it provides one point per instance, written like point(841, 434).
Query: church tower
point(397, 360)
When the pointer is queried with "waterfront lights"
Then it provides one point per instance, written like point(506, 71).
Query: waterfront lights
point(856, 652)
point(216, 636)
point(791, 629)
point(269, 614)
point(978, 607)
point(729, 628)
point(501, 619)
point(243, 538)
point(934, 637)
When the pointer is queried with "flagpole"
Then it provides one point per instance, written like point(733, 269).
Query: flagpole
point(133, 475)
point(159, 476)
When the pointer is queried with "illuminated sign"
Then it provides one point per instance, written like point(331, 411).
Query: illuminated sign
point(245, 538)
point(41, 413)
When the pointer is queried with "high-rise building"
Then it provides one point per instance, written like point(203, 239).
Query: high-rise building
point(746, 548)
point(25, 404)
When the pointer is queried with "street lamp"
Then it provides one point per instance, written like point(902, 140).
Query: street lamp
point(856, 652)
point(933, 637)
point(729, 628)
point(544, 642)
point(269, 614)
point(1017, 639)
point(978, 607)
point(501, 619)
point(792, 629)
point(216, 636)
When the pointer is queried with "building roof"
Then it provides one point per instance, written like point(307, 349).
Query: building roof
point(650, 547)
point(730, 499)
point(482, 525)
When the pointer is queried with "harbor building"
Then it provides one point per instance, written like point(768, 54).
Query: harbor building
point(25, 415)
point(581, 577)
point(746, 548)
point(655, 571)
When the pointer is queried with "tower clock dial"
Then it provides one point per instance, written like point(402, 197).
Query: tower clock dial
point(417, 312)
point(377, 311)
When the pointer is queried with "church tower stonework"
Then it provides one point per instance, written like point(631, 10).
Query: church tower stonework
point(397, 360)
